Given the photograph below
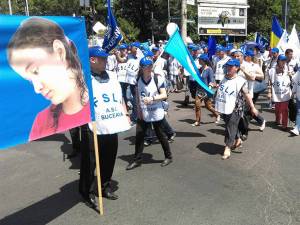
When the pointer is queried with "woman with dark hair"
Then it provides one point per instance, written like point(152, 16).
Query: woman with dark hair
point(207, 75)
point(40, 52)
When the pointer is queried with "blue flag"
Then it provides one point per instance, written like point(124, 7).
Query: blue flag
point(179, 51)
point(113, 34)
point(261, 41)
point(212, 46)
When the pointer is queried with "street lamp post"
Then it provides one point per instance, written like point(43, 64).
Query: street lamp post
point(169, 20)
point(285, 14)
point(9, 5)
point(27, 8)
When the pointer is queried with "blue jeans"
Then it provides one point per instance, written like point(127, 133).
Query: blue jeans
point(298, 115)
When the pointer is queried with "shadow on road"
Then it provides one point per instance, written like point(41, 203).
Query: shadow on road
point(211, 148)
point(217, 131)
point(146, 158)
point(46, 210)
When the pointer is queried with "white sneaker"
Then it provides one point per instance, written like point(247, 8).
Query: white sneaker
point(263, 126)
point(295, 131)
point(218, 119)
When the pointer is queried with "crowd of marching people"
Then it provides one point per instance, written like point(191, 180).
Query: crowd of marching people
point(146, 76)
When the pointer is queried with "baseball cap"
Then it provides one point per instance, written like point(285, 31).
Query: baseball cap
point(123, 46)
point(282, 57)
point(249, 53)
point(135, 44)
point(275, 50)
point(97, 51)
point(233, 62)
point(204, 57)
point(148, 53)
point(155, 49)
point(146, 61)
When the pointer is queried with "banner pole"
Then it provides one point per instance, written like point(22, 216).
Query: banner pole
point(100, 200)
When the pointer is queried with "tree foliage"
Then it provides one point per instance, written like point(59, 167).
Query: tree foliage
point(135, 16)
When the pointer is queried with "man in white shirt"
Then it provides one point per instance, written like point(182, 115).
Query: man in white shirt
point(291, 63)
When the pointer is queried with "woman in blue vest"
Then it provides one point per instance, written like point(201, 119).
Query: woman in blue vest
point(151, 92)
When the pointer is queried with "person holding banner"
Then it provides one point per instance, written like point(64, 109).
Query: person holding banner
point(229, 101)
point(151, 92)
point(40, 52)
point(109, 111)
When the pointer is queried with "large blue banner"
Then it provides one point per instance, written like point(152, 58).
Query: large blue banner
point(178, 50)
point(44, 77)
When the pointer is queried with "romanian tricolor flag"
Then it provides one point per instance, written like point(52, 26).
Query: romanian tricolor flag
point(276, 32)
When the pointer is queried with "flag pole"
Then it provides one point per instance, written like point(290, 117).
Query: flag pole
point(100, 200)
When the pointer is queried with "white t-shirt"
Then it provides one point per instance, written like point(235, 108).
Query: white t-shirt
point(173, 66)
point(219, 75)
point(109, 111)
point(281, 86)
point(292, 65)
point(250, 68)
point(296, 85)
point(227, 93)
point(111, 63)
point(155, 111)
point(159, 66)
point(132, 69)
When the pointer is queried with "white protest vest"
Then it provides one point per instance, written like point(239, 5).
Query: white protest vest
point(155, 111)
point(132, 69)
point(121, 72)
point(227, 94)
point(173, 66)
point(109, 112)
point(281, 86)
point(219, 75)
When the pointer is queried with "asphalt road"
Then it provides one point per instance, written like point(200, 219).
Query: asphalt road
point(260, 186)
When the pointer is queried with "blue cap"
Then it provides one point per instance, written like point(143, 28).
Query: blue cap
point(135, 44)
point(195, 48)
point(123, 46)
point(229, 47)
point(220, 49)
point(249, 53)
point(148, 53)
point(282, 57)
point(204, 57)
point(275, 50)
point(97, 51)
point(233, 62)
point(146, 61)
point(155, 49)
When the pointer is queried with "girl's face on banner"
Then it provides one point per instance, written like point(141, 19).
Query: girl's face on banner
point(48, 72)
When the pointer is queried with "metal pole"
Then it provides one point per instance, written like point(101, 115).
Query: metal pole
point(27, 8)
point(9, 5)
point(169, 11)
point(285, 15)
point(152, 25)
point(183, 20)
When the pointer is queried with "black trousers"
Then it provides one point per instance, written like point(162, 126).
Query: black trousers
point(107, 147)
point(141, 128)
point(75, 136)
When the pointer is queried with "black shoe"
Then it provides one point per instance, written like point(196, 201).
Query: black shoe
point(171, 139)
point(166, 162)
point(133, 165)
point(91, 201)
point(109, 194)
point(147, 143)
